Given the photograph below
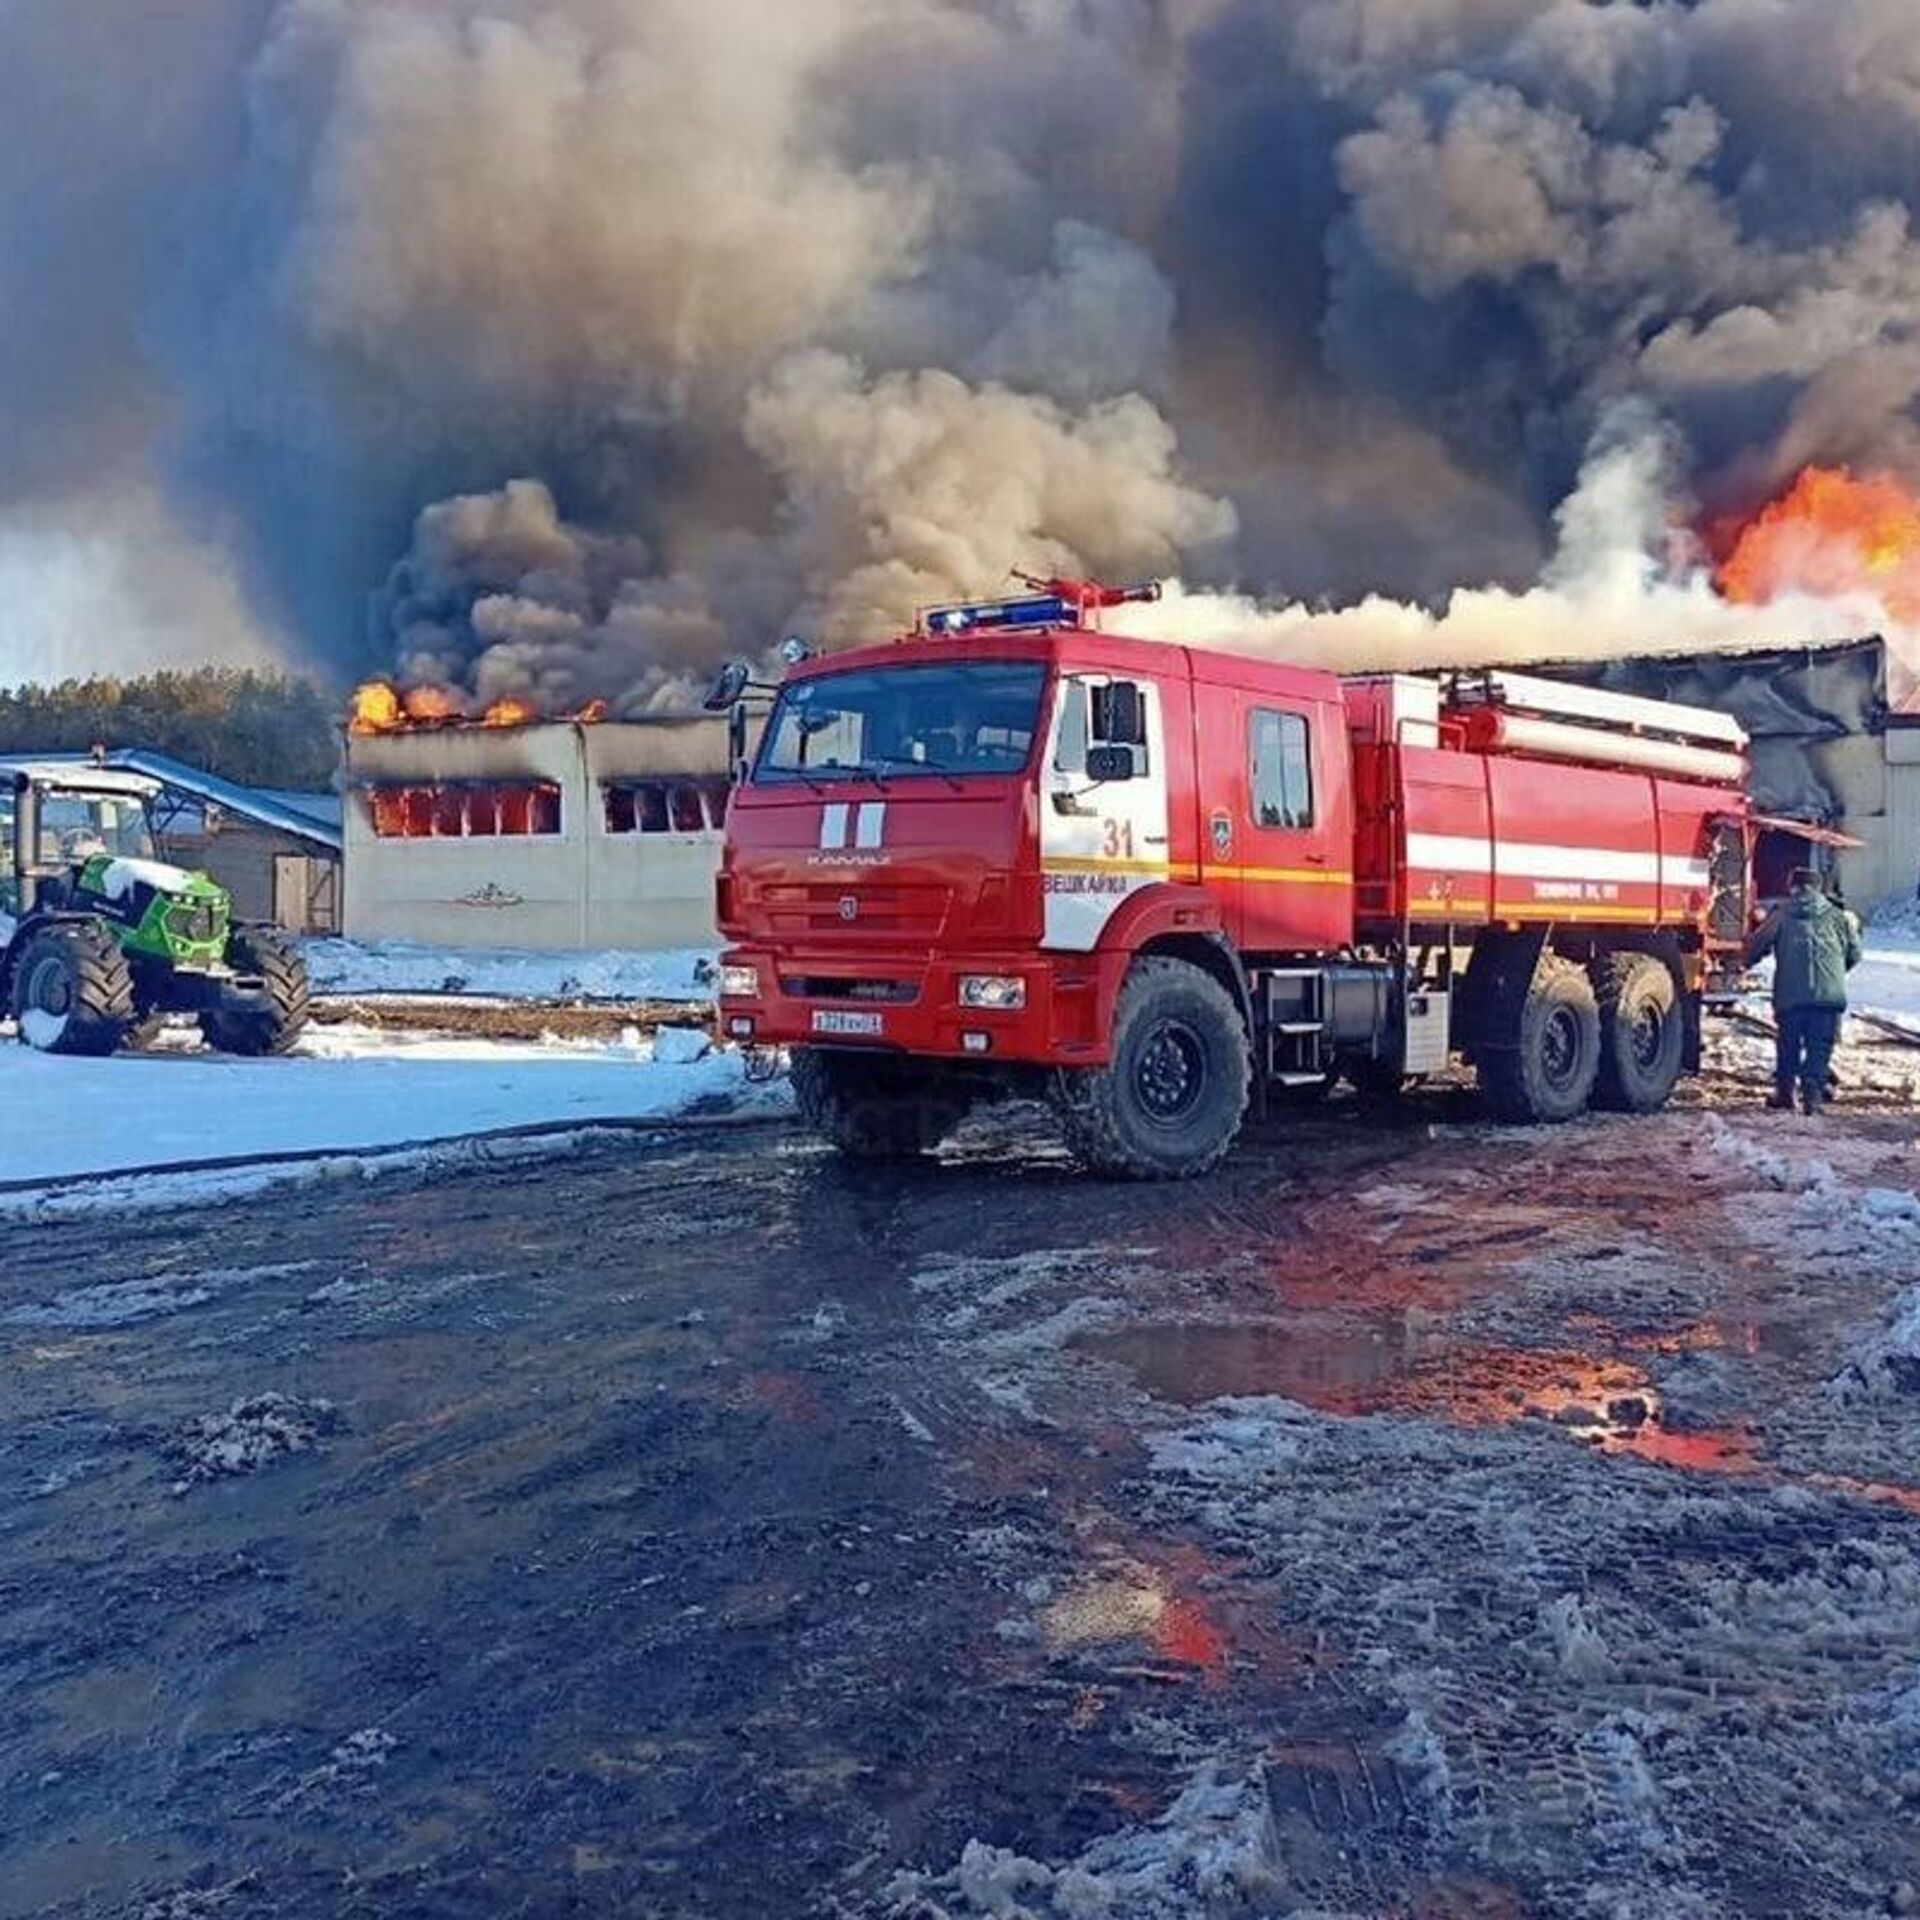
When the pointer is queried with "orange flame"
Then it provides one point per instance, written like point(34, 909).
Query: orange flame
point(375, 708)
point(429, 706)
point(381, 707)
point(1832, 532)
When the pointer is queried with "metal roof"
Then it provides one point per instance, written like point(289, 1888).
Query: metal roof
point(129, 770)
point(249, 803)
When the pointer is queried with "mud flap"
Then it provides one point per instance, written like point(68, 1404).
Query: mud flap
point(1494, 988)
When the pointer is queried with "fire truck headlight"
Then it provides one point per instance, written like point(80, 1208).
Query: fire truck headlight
point(740, 983)
point(996, 992)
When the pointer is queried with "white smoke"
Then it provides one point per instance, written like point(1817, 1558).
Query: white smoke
point(1623, 581)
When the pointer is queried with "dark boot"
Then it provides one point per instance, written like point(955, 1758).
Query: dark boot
point(1812, 1099)
point(1780, 1100)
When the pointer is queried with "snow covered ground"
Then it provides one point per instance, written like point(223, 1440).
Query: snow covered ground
point(346, 1088)
point(1887, 981)
point(352, 966)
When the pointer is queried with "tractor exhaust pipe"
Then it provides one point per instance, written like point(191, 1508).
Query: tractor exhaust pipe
point(26, 844)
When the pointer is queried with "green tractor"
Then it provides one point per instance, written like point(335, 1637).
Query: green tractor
point(100, 941)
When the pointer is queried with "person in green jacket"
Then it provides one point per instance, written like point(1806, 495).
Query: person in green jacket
point(1815, 943)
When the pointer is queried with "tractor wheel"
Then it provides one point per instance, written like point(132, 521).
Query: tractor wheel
point(1547, 1073)
point(1643, 1036)
point(266, 953)
point(874, 1109)
point(1169, 1103)
point(72, 990)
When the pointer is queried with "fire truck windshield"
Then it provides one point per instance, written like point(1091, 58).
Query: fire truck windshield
point(960, 717)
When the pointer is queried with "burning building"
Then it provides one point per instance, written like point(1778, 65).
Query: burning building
point(506, 829)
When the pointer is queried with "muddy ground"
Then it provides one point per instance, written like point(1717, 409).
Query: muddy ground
point(1418, 1519)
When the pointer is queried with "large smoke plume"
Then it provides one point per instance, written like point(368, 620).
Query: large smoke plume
point(584, 341)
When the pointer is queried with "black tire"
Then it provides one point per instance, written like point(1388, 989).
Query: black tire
point(1169, 1103)
point(267, 954)
point(874, 1109)
point(1643, 1032)
point(73, 990)
point(1547, 1074)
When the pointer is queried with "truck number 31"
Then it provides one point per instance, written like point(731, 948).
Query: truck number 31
point(1117, 839)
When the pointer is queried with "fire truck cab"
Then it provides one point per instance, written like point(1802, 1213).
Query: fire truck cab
point(1015, 855)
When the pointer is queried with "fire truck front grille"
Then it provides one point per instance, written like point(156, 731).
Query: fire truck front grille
point(827, 907)
point(815, 986)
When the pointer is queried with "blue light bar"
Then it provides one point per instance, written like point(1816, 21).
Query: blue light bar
point(1045, 610)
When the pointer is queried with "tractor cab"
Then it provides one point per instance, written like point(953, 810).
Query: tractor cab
point(55, 820)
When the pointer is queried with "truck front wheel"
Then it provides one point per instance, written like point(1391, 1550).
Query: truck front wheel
point(1547, 1071)
point(873, 1108)
point(1169, 1102)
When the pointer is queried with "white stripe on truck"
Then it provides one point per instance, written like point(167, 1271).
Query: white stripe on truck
point(1530, 860)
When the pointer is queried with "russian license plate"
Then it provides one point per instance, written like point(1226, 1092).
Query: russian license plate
point(835, 1020)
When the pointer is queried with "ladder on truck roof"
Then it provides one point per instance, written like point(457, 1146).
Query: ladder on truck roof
point(1595, 707)
point(1534, 719)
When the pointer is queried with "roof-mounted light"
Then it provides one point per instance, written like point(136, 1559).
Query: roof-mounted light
point(1056, 603)
point(1040, 610)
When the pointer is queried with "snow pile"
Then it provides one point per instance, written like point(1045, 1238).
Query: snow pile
point(1887, 1364)
point(253, 1433)
point(124, 1303)
point(1767, 1164)
point(121, 877)
point(680, 1046)
point(1578, 1650)
point(164, 1192)
point(352, 966)
point(1213, 1851)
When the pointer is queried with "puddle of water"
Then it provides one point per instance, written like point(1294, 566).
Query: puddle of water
point(1387, 1367)
point(1192, 1362)
point(1753, 1338)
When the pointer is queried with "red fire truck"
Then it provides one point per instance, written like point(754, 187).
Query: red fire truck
point(1013, 855)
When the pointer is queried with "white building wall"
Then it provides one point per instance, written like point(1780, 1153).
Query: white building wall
point(584, 887)
point(1900, 869)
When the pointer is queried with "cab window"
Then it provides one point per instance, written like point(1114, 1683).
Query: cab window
point(1282, 771)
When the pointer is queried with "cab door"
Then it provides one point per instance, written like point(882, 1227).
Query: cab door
point(1293, 834)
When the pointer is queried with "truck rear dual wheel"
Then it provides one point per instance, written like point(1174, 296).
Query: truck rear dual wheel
point(73, 990)
point(874, 1108)
point(1170, 1101)
point(268, 955)
point(1642, 1033)
point(1547, 1074)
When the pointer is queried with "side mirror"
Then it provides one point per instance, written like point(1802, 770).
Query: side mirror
point(729, 684)
point(1110, 763)
point(1120, 714)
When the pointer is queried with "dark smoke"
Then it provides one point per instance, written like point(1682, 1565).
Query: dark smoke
point(586, 340)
